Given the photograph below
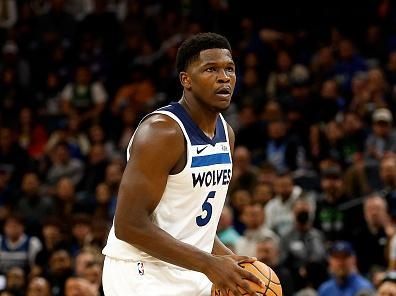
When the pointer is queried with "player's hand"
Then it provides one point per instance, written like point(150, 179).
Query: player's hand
point(225, 273)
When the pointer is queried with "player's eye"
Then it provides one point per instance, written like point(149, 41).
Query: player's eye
point(210, 69)
point(230, 69)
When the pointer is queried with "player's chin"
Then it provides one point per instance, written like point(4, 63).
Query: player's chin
point(222, 105)
point(221, 108)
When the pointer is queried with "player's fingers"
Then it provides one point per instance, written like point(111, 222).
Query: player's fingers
point(242, 259)
point(251, 277)
point(247, 288)
point(247, 259)
point(235, 291)
point(226, 292)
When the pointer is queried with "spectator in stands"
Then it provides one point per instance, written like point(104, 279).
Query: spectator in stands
point(244, 174)
point(322, 66)
point(354, 136)
point(66, 202)
point(94, 172)
point(253, 218)
point(330, 101)
point(278, 83)
point(303, 244)
point(268, 252)
point(59, 269)
point(97, 135)
point(127, 128)
point(83, 96)
point(225, 229)
point(370, 239)
point(135, 94)
point(17, 249)
point(81, 233)
point(80, 287)
point(93, 274)
point(70, 131)
point(387, 174)
point(38, 286)
point(279, 210)
point(238, 200)
point(349, 62)
point(331, 137)
point(113, 176)
point(105, 202)
point(32, 135)
point(262, 193)
point(33, 206)
point(53, 238)
point(382, 139)
point(335, 216)
point(12, 155)
point(280, 150)
point(387, 286)
point(63, 166)
point(8, 15)
point(82, 260)
point(345, 278)
point(16, 280)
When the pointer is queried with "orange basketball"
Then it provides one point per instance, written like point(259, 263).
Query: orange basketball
point(272, 285)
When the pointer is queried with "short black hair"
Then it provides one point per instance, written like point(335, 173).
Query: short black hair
point(189, 50)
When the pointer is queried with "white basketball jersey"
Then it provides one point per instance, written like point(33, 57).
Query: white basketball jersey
point(193, 199)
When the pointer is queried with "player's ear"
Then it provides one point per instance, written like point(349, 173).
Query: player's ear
point(185, 80)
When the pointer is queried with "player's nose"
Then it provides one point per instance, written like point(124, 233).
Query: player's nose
point(223, 76)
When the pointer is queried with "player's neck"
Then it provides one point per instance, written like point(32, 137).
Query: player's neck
point(205, 119)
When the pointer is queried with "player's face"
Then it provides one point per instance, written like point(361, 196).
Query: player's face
point(212, 78)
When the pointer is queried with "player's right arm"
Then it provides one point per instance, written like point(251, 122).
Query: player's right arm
point(158, 147)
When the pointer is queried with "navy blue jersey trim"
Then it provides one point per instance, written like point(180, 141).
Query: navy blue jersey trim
point(195, 134)
point(207, 160)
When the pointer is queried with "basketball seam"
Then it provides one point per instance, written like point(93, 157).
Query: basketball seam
point(269, 279)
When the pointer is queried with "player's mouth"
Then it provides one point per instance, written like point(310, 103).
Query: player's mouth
point(224, 92)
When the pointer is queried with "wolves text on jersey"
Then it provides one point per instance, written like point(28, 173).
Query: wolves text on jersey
point(211, 178)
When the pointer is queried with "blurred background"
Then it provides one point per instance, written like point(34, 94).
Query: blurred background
point(313, 193)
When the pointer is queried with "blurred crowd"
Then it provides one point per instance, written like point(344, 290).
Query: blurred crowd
point(313, 193)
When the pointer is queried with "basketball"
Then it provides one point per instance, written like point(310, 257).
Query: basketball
point(272, 285)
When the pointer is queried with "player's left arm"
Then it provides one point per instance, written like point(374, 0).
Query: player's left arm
point(220, 249)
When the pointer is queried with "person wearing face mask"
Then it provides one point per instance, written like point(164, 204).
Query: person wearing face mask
point(303, 244)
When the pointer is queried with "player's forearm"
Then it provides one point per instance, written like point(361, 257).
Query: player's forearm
point(154, 241)
point(220, 249)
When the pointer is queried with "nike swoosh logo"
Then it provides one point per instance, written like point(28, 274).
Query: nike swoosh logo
point(200, 150)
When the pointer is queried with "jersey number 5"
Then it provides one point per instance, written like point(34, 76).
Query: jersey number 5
point(206, 208)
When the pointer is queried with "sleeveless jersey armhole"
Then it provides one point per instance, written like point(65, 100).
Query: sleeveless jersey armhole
point(225, 126)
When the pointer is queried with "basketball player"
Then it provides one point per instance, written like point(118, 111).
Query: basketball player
point(163, 240)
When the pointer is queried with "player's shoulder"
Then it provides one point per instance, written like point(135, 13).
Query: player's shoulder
point(159, 127)
point(158, 121)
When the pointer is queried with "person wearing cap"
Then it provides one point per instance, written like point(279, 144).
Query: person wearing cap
point(345, 279)
point(387, 287)
point(382, 139)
